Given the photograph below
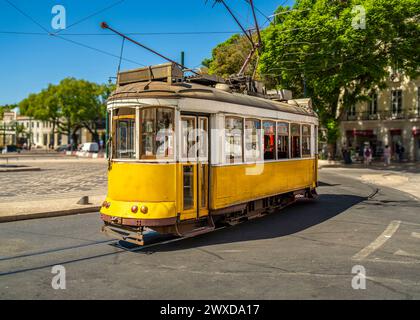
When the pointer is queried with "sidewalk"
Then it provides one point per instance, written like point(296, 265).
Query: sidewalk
point(54, 189)
point(404, 177)
point(13, 211)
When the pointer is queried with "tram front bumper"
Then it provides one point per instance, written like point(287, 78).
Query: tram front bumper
point(147, 213)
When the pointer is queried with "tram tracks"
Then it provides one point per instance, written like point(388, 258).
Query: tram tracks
point(115, 246)
point(42, 259)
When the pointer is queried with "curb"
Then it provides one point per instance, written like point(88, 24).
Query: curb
point(20, 169)
point(49, 214)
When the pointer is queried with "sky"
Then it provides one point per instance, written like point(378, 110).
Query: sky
point(30, 58)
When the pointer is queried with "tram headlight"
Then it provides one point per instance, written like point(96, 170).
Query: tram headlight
point(144, 209)
point(134, 209)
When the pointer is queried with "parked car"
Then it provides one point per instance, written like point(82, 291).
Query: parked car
point(89, 147)
point(63, 147)
point(10, 148)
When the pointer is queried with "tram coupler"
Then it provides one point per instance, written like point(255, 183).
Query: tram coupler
point(124, 234)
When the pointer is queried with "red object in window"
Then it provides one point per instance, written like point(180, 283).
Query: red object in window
point(272, 142)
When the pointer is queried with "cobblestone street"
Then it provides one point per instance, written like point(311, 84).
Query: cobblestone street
point(57, 178)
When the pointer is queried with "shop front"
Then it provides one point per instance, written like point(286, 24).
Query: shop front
point(357, 139)
point(416, 136)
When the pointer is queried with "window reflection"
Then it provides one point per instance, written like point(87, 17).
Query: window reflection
point(252, 140)
point(306, 140)
point(157, 133)
point(233, 139)
point(124, 123)
point(282, 140)
point(188, 137)
point(295, 134)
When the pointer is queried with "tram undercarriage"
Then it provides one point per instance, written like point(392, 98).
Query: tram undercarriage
point(133, 230)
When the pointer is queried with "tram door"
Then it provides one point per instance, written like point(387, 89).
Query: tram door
point(194, 146)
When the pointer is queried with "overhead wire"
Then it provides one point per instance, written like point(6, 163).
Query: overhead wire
point(27, 16)
point(68, 40)
point(99, 50)
point(128, 33)
point(92, 15)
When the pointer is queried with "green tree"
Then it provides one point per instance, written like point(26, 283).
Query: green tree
point(70, 105)
point(228, 57)
point(6, 108)
point(321, 45)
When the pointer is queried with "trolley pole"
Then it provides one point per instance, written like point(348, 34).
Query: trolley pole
point(106, 133)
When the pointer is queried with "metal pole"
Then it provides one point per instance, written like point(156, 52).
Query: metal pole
point(256, 24)
point(106, 133)
point(237, 21)
point(104, 25)
point(182, 57)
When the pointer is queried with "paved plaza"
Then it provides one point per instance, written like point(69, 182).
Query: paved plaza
point(305, 251)
point(58, 178)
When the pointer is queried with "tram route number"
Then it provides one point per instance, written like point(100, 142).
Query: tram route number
point(211, 309)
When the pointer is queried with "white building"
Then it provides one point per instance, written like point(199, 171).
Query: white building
point(37, 133)
point(40, 133)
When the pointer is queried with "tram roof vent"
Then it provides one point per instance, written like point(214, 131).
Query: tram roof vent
point(169, 72)
point(305, 103)
point(279, 95)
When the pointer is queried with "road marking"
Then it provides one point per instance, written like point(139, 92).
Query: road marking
point(378, 242)
point(392, 261)
point(400, 252)
point(415, 235)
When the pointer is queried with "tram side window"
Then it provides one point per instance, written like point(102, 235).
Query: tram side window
point(233, 139)
point(157, 133)
point(269, 140)
point(295, 134)
point(306, 141)
point(252, 140)
point(124, 126)
point(282, 140)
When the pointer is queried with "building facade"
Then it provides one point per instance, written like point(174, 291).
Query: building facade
point(391, 117)
point(39, 134)
point(35, 133)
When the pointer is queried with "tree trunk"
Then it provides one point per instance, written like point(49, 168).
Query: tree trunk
point(332, 149)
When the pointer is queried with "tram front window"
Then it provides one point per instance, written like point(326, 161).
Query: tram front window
point(157, 125)
point(124, 124)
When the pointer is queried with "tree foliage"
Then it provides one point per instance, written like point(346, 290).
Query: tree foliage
point(228, 57)
point(70, 105)
point(325, 44)
point(6, 108)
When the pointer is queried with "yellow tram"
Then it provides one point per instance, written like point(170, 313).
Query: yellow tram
point(188, 153)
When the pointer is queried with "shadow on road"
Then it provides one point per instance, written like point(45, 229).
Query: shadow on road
point(300, 216)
